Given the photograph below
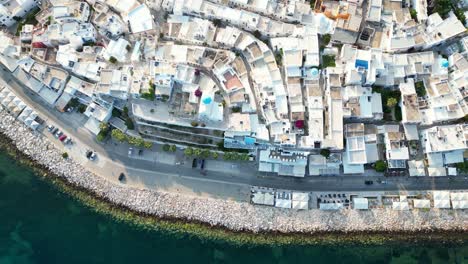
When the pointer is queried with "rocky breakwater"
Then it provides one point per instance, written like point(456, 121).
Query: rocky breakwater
point(229, 214)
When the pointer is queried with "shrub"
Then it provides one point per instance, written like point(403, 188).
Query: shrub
point(420, 89)
point(188, 151)
point(197, 152)
point(112, 60)
point(328, 61)
point(166, 147)
point(81, 108)
point(326, 39)
point(257, 34)
point(101, 136)
point(65, 155)
point(325, 153)
point(129, 123)
point(116, 112)
point(148, 144)
point(236, 109)
point(74, 102)
point(380, 166)
point(194, 123)
point(414, 14)
point(391, 102)
point(118, 135)
point(398, 114)
point(152, 110)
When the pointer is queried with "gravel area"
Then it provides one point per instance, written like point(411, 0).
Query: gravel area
point(230, 214)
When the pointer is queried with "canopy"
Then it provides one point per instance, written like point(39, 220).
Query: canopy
point(442, 204)
point(361, 203)
point(400, 206)
point(421, 203)
point(441, 195)
point(331, 206)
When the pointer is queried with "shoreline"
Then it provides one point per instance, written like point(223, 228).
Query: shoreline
point(193, 226)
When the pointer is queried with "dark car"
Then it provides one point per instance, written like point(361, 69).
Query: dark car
point(202, 164)
point(194, 163)
point(369, 182)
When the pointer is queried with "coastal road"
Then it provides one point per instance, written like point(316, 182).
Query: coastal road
point(232, 182)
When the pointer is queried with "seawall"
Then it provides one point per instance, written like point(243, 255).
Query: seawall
point(236, 216)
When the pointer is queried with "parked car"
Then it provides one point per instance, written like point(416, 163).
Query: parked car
point(140, 152)
point(202, 164)
point(50, 128)
point(369, 182)
point(58, 134)
point(91, 155)
point(130, 151)
point(54, 130)
point(63, 137)
point(194, 163)
point(68, 140)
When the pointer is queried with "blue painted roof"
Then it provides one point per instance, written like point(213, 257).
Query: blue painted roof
point(362, 63)
point(249, 140)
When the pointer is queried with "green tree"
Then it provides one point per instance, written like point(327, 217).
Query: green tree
point(166, 147)
point(205, 154)
point(462, 167)
point(148, 144)
point(326, 39)
point(214, 154)
point(194, 123)
point(380, 166)
point(188, 151)
point(74, 102)
point(118, 135)
point(391, 102)
point(197, 152)
point(325, 153)
point(257, 34)
point(65, 155)
point(173, 148)
point(414, 14)
point(129, 123)
point(82, 108)
point(103, 126)
point(112, 60)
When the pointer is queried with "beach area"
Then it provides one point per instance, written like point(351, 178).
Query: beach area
point(230, 216)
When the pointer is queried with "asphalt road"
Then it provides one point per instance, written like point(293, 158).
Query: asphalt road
point(153, 174)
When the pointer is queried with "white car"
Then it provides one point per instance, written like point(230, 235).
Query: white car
point(130, 151)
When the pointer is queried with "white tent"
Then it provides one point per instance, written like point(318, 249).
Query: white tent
point(400, 206)
point(300, 205)
point(34, 125)
point(283, 203)
point(28, 121)
point(361, 203)
point(459, 196)
point(421, 203)
point(300, 196)
point(441, 195)
point(437, 171)
point(460, 204)
point(330, 206)
point(264, 198)
point(442, 204)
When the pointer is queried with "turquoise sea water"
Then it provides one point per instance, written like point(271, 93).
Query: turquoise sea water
point(40, 224)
